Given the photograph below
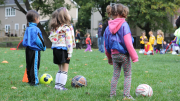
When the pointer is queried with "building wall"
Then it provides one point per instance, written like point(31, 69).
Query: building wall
point(19, 18)
point(95, 19)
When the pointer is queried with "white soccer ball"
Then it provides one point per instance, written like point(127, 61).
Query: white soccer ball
point(144, 90)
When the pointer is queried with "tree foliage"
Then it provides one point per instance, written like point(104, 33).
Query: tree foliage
point(152, 14)
point(45, 7)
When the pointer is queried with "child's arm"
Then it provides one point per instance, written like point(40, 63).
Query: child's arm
point(147, 48)
point(130, 48)
point(40, 42)
point(90, 41)
point(69, 43)
point(106, 47)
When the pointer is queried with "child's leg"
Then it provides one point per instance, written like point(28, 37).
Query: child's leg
point(116, 73)
point(127, 75)
point(63, 76)
point(33, 61)
point(87, 48)
point(57, 76)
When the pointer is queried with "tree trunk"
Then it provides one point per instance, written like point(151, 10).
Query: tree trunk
point(45, 36)
point(147, 29)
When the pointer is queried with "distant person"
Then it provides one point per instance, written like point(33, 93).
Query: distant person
point(34, 43)
point(119, 49)
point(142, 37)
point(63, 42)
point(152, 39)
point(160, 39)
point(99, 37)
point(108, 11)
point(148, 49)
point(77, 38)
point(176, 46)
point(165, 45)
point(88, 42)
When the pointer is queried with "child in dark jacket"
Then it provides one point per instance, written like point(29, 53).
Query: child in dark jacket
point(34, 43)
point(88, 42)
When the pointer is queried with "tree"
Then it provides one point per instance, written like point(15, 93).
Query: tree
point(151, 14)
point(85, 12)
point(45, 7)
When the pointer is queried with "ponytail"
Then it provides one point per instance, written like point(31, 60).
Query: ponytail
point(125, 11)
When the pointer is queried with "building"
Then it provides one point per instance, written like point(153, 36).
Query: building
point(14, 21)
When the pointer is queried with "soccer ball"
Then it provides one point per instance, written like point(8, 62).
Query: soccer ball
point(46, 79)
point(144, 90)
point(78, 81)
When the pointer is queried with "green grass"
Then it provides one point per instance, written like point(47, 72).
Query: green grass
point(162, 76)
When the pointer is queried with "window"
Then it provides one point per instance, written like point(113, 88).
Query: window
point(9, 11)
point(7, 28)
point(16, 27)
point(23, 27)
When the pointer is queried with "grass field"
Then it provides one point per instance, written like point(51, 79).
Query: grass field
point(161, 72)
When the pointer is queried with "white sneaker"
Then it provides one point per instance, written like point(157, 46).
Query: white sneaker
point(90, 50)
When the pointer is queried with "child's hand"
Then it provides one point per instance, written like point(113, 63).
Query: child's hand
point(68, 58)
point(110, 61)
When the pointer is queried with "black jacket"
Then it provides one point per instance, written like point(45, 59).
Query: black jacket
point(104, 27)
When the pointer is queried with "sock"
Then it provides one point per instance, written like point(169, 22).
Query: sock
point(62, 79)
point(57, 79)
point(156, 50)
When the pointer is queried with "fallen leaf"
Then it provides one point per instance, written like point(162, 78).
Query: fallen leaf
point(71, 68)
point(70, 79)
point(13, 88)
point(85, 64)
point(105, 59)
point(46, 68)
point(88, 93)
point(75, 72)
point(11, 82)
point(146, 71)
point(4, 61)
point(125, 98)
point(92, 71)
point(5, 52)
point(160, 81)
point(77, 59)
point(21, 66)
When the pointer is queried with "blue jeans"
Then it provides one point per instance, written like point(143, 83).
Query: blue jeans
point(102, 44)
point(99, 43)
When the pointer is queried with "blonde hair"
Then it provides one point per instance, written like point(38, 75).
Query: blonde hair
point(120, 9)
point(150, 32)
point(161, 33)
point(59, 17)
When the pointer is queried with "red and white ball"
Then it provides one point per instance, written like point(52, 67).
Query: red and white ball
point(144, 90)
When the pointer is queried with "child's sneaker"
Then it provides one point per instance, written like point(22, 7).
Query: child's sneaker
point(60, 88)
point(90, 50)
point(128, 98)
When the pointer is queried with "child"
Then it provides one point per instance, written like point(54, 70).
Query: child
point(99, 37)
point(62, 38)
point(176, 46)
point(165, 45)
point(142, 37)
point(160, 39)
point(34, 43)
point(148, 48)
point(152, 39)
point(77, 39)
point(119, 48)
point(88, 42)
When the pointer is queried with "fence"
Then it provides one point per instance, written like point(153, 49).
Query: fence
point(12, 33)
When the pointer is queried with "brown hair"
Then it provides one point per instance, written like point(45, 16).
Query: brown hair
point(59, 17)
point(145, 39)
point(108, 10)
point(31, 15)
point(120, 9)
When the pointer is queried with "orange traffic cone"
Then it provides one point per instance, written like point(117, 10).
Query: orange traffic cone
point(25, 78)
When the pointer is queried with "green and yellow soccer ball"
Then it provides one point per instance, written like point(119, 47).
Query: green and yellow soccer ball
point(45, 79)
